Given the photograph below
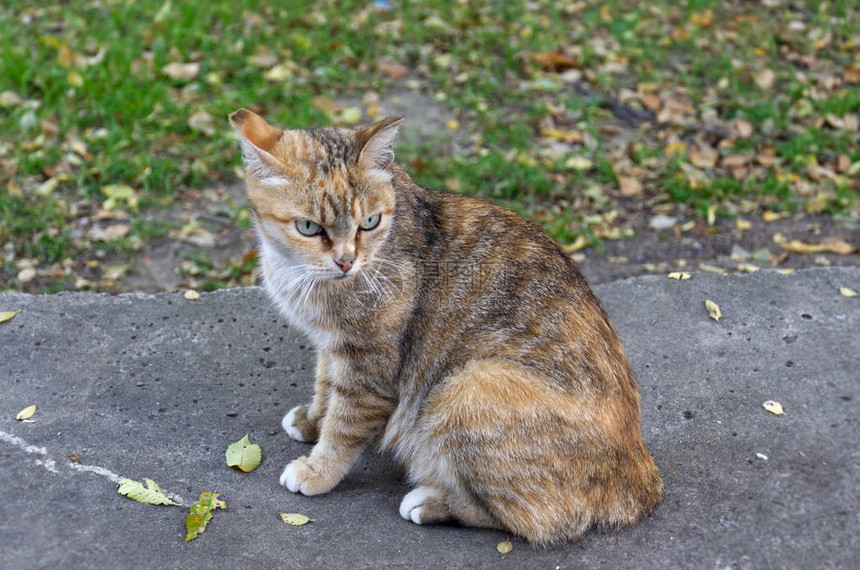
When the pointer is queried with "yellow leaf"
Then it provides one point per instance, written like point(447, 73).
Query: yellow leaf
point(773, 407)
point(743, 225)
point(580, 242)
point(192, 295)
point(785, 271)
point(452, 125)
point(679, 275)
point(504, 547)
point(7, 315)
point(26, 413)
point(846, 292)
point(295, 519)
point(769, 216)
point(677, 147)
point(713, 310)
point(748, 267)
point(827, 246)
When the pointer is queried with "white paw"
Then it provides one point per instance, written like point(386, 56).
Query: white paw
point(290, 478)
point(291, 430)
point(412, 504)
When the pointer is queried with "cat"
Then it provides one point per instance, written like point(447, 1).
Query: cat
point(454, 329)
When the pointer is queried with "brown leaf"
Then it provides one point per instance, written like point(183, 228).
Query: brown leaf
point(328, 106)
point(629, 186)
point(704, 156)
point(553, 61)
point(391, 68)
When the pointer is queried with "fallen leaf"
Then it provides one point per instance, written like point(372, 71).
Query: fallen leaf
point(765, 79)
point(327, 105)
point(629, 186)
point(26, 413)
point(350, 116)
point(713, 310)
point(743, 225)
point(201, 513)
point(578, 163)
point(202, 122)
point(151, 494)
point(773, 407)
point(580, 242)
point(553, 61)
point(244, 455)
point(846, 292)
point(452, 125)
point(748, 268)
point(182, 71)
point(7, 315)
point(192, 295)
point(391, 68)
point(679, 275)
point(769, 216)
point(836, 246)
point(504, 547)
point(295, 519)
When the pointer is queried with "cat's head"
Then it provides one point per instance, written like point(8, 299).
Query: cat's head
point(322, 198)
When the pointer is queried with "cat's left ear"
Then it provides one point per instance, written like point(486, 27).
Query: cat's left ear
point(376, 143)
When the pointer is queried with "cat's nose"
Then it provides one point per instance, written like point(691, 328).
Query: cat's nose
point(345, 263)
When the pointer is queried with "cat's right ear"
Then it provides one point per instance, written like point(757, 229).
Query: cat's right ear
point(258, 139)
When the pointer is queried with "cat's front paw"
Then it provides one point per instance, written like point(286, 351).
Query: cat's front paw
point(299, 427)
point(305, 477)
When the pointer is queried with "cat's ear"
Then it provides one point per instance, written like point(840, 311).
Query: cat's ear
point(376, 143)
point(258, 140)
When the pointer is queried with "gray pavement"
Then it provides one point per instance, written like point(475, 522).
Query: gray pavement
point(158, 386)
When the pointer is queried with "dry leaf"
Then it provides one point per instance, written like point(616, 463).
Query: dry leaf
point(580, 242)
point(769, 216)
point(679, 275)
point(748, 267)
point(7, 315)
point(553, 61)
point(846, 292)
point(391, 68)
point(826, 246)
point(202, 122)
point(629, 186)
point(295, 519)
point(182, 71)
point(743, 225)
point(578, 163)
point(504, 547)
point(192, 295)
point(765, 79)
point(26, 413)
point(773, 407)
point(713, 310)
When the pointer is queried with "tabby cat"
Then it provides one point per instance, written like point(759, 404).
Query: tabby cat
point(455, 329)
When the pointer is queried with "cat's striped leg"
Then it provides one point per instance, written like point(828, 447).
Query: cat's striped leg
point(302, 422)
point(352, 418)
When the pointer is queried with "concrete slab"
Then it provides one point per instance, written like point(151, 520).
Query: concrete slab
point(158, 386)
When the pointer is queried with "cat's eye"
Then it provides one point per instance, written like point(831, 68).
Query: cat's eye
point(370, 223)
point(308, 228)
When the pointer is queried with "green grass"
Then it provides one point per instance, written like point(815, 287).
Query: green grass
point(88, 103)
